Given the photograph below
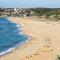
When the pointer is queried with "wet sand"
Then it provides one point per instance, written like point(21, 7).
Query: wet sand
point(45, 42)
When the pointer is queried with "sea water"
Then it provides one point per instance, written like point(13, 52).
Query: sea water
point(9, 35)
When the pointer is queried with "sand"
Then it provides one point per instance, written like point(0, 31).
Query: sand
point(45, 42)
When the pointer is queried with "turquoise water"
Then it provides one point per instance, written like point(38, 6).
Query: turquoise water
point(9, 35)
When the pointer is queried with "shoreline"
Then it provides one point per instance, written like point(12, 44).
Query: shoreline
point(14, 47)
point(18, 44)
point(44, 44)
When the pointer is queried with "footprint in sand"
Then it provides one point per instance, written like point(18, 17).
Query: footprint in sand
point(48, 46)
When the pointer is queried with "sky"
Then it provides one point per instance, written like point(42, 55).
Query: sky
point(29, 3)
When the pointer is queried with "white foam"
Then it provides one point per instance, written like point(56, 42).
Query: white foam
point(16, 46)
point(7, 51)
point(19, 27)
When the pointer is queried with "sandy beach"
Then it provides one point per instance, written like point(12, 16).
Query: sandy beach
point(45, 42)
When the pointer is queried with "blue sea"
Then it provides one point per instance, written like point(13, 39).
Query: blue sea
point(10, 36)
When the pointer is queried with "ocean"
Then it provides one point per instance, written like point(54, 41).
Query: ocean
point(10, 36)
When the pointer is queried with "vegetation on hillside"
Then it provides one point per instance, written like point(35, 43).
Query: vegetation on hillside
point(47, 12)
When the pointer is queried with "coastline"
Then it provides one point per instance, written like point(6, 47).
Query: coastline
point(44, 44)
point(15, 47)
point(18, 44)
